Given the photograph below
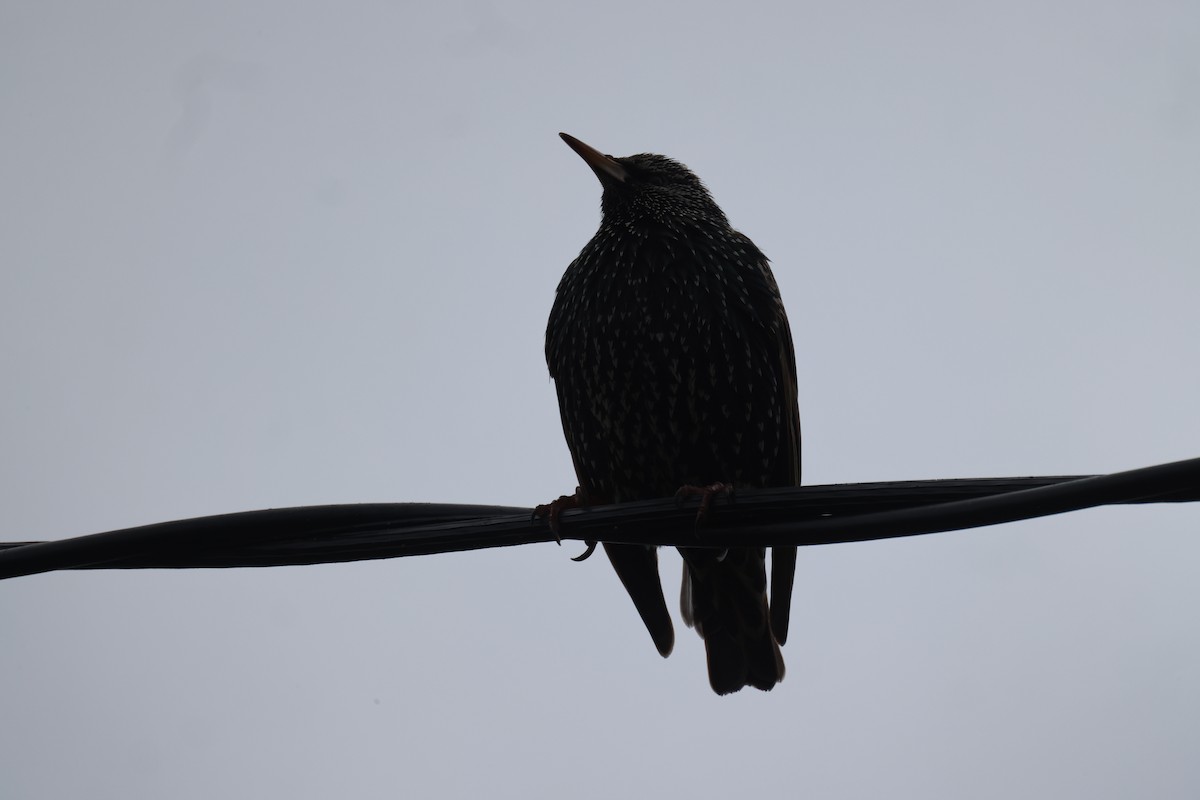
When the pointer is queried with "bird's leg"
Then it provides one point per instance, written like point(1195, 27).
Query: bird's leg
point(553, 510)
point(706, 494)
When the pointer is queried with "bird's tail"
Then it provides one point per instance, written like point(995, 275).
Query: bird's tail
point(724, 597)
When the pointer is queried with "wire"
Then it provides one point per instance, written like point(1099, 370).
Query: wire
point(808, 515)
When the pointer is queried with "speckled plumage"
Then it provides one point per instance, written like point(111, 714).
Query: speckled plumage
point(673, 362)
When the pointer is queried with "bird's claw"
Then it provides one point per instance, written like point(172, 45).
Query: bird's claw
point(553, 510)
point(706, 495)
point(586, 554)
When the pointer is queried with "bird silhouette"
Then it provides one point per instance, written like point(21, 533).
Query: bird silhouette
point(673, 362)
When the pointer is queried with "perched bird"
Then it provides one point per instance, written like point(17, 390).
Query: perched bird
point(673, 362)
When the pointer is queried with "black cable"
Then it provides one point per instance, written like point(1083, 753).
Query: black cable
point(803, 516)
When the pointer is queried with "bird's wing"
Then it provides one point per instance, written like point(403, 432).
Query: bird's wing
point(771, 325)
point(790, 470)
point(783, 559)
point(636, 565)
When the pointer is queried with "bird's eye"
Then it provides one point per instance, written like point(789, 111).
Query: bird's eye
point(645, 176)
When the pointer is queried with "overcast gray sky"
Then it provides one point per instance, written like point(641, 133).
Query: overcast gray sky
point(277, 254)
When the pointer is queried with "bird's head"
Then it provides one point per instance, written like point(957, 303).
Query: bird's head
point(647, 186)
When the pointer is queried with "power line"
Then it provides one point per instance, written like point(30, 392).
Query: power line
point(807, 515)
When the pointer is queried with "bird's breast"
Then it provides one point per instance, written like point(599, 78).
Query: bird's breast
point(656, 375)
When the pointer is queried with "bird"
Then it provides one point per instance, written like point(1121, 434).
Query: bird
point(673, 363)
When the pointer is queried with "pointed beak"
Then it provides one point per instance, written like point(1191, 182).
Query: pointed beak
point(607, 169)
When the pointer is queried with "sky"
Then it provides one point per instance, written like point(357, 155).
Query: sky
point(271, 254)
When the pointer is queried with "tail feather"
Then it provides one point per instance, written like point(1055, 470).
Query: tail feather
point(724, 598)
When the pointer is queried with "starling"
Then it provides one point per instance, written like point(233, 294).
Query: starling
point(673, 362)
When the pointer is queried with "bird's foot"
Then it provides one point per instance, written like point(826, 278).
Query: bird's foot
point(553, 510)
point(706, 495)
